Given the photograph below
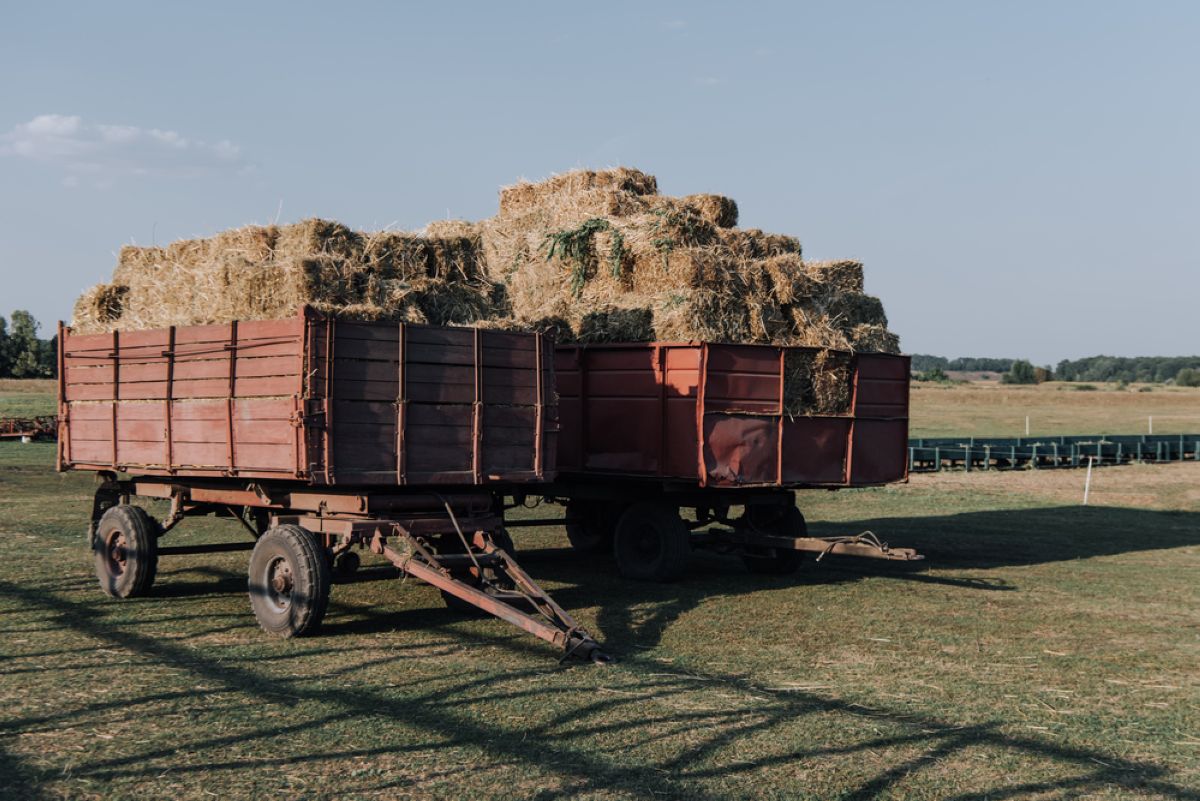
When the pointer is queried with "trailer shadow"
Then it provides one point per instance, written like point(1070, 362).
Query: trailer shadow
point(674, 739)
point(968, 551)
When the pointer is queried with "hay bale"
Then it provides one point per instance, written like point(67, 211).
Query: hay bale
point(99, 306)
point(582, 185)
point(874, 338)
point(588, 255)
point(751, 243)
point(718, 210)
point(847, 276)
point(816, 382)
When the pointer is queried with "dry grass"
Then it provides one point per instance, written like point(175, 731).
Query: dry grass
point(991, 409)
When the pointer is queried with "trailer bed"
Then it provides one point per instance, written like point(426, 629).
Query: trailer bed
point(311, 399)
point(715, 415)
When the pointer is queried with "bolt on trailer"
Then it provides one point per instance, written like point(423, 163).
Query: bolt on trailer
point(649, 429)
point(321, 438)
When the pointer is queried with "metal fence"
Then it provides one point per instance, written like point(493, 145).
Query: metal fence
point(1011, 453)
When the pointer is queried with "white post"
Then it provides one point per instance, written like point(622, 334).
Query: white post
point(1087, 484)
point(1151, 424)
point(1027, 425)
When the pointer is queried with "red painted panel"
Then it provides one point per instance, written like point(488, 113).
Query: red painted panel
point(636, 420)
point(740, 449)
point(880, 452)
point(815, 450)
point(360, 433)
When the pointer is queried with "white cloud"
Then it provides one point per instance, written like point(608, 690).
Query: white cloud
point(110, 151)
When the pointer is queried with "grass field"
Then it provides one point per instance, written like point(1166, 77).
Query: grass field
point(991, 409)
point(1044, 650)
point(27, 397)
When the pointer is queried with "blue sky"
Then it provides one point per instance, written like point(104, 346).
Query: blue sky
point(1021, 179)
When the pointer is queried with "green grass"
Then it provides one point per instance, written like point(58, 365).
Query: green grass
point(27, 397)
point(1045, 650)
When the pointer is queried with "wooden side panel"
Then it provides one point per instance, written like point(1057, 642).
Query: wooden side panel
point(215, 398)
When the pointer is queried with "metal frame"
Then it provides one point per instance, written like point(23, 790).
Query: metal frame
point(400, 526)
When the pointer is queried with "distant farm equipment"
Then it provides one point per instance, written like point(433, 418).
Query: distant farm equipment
point(29, 428)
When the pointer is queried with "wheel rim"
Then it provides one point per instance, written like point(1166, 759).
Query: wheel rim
point(116, 553)
point(646, 543)
point(278, 584)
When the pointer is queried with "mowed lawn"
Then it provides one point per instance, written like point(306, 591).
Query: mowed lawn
point(1044, 650)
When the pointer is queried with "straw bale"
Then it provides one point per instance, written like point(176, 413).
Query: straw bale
point(615, 324)
point(718, 210)
point(874, 338)
point(524, 195)
point(100, 306)
point(847, 276)
point(589, 256)
point(454, 228)
point(751, 243)
point(816, 382)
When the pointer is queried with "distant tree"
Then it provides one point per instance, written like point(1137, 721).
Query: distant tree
point(1041, 374)
point(25, 349)
point(923, 363)
point(1146, 369)
point(1188, 377)
point(48, 356)
point(934, 374)
point(5, 356)
point(1021, 372)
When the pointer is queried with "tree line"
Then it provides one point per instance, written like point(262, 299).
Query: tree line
point(922, 362)
point(1180, 370)
point(22, 353)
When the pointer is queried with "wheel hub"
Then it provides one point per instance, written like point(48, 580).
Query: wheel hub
point(118, 553)
point(279, 582)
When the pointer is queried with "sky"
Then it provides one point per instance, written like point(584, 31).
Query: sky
point(1020, 179)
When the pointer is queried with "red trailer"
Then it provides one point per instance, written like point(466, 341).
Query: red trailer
point(321, 437)
point(649, 429)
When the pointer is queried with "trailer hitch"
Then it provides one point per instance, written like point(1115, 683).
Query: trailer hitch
point(550, 621)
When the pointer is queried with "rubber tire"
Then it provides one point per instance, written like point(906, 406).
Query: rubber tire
point(779, 561)
point(347, 564)
point(642, 523)
point(141, 548)
point(594, 535)
point(502, 540)
point(305, 607)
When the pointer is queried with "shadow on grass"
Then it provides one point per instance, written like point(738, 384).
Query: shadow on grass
point(700, 737)
point(560, 744)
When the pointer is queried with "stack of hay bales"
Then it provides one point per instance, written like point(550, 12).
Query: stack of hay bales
point(589, 256)
point(602, 256)
point(261, 272)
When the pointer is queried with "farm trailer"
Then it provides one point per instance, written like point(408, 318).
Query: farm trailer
point(28, 429)
point(320, 437)
point(650, 429)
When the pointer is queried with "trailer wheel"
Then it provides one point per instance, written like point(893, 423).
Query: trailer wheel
point(502, 540)
point(289, 581)
point(591, 526)
point(651, 543)
point(125, 546)
point(775, 561)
